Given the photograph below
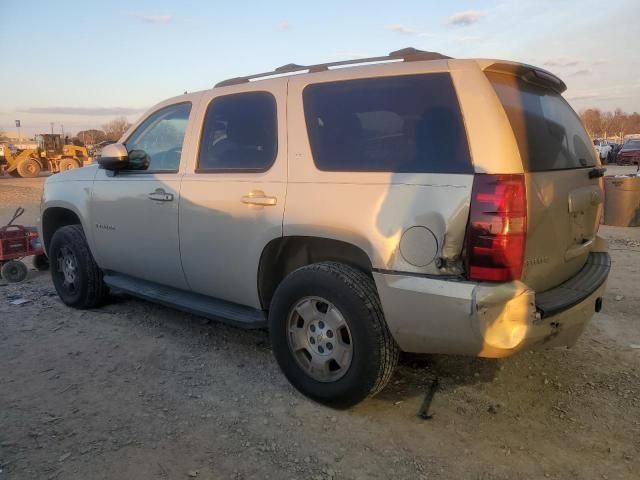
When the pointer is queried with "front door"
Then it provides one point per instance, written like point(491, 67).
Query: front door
point(233, 198)
point(135, 212)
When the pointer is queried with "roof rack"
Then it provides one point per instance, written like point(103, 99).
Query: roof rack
point(406, 54)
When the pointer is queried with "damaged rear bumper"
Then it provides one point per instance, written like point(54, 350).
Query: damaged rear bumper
point(430, 315)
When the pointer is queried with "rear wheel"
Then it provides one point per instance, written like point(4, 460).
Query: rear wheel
point(329, 335)
point(68, 164)
point(14, 271)
point(75, 274)
point(29, 168)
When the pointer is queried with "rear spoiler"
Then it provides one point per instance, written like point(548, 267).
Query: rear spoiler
point(530, 74)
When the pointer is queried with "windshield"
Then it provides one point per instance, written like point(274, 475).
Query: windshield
point(550, 135)
point(632, 145)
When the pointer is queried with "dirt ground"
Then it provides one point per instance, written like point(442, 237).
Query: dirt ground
point(134, 390)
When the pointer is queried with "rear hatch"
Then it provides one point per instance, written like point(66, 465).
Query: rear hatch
point(564, 194)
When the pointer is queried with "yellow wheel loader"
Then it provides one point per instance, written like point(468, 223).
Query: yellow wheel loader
point(51, 154)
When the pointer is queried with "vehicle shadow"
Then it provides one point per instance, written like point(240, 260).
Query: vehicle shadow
point(418, 375)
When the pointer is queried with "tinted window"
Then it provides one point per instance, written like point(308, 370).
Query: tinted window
point(157, 142)
point(239, 133)
point(550, 135)
point(400, 124)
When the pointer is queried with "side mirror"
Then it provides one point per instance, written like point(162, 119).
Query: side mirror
point(114, 157)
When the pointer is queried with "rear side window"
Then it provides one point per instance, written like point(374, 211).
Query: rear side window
point(239, 134)
point(550, 135)
point(403, 124)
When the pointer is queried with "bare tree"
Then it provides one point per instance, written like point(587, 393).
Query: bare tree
point(617, 123)
point(591, 118)
point(606, 124)
point(116, 128)
point(632, 123)
point(92, 136)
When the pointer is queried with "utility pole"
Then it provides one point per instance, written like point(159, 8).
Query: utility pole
point(62, 127)
point(51, 128)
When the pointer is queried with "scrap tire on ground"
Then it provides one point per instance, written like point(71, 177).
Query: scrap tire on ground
point(14, 271)
point(75, 274)
point(352, 297)
point(69, 164)
point(29, 168)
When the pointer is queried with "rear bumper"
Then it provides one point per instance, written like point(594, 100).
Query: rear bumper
point(428, 315)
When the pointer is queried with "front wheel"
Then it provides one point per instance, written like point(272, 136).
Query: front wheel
point(329, 334)
point(41, 262)
point(29, 168)
point(75, 274)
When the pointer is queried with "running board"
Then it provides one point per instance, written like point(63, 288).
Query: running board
point(221, 310)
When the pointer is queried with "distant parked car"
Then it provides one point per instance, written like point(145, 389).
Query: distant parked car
point(602, 147)
point(629, 153)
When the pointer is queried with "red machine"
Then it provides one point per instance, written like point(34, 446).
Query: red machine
point(17, 242)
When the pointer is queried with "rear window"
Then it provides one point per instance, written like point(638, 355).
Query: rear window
point(550, 135)
point(403, 124)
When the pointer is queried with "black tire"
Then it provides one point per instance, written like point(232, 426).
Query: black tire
point(41, 262)
point(353, 293)
point(14, 173)
point(14, 271)
point(29, 168)
point(68, 164)
point(87, 289)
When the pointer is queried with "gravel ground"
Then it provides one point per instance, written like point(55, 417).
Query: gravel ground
point(135, 390)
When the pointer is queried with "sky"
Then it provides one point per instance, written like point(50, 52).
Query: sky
point(80, 64)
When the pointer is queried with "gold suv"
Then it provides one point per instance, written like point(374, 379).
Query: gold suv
point(408, 202)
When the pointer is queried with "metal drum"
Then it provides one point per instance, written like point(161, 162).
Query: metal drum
point(622, 201)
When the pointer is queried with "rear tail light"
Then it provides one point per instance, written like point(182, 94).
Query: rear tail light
point(497, 229)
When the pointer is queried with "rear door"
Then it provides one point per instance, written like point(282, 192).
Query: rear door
point(233, 198)
point(564, 201)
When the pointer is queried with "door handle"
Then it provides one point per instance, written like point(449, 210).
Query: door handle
point(257, 197)
point(160, 196)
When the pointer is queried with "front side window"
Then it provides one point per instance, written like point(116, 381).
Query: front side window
point(402, 124)
point(239, 133)
point(156, 145)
